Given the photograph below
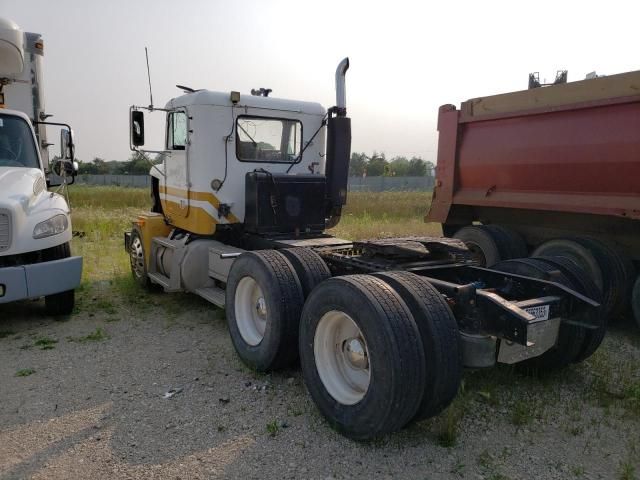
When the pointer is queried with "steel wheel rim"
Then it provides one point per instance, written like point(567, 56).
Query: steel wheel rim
point(251, 311)
point(136, 255)
point(342, 357)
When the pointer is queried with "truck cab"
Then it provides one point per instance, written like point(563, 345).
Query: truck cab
point(35, 224)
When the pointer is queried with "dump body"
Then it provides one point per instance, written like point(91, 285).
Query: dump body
point(548, 162)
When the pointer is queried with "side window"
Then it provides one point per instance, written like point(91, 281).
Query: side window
point(176, 130)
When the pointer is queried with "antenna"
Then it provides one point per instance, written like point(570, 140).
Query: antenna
point(146, 52)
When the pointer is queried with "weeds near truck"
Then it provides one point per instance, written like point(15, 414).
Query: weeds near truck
point(25, 372)
point(97, 335)
point(273, 428)
point(45, 343)
point(627, 471)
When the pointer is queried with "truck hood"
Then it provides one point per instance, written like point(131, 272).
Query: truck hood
point(20, 184)
point(24, 198)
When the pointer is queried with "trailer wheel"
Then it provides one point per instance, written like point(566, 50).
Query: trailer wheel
point(440, 339)
point(511, 244)
point(59, 303)
point(570, 337)
point(482, 244)
point(608, 268)
point(361, 355)
point(309, 266)
point(137, 260)
point(618, 273)
point(263, 302)
point(583, 284)
point(579, 254)
point(635, 301)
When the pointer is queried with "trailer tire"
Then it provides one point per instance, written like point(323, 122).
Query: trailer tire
point(618, 272)
point(578, 253)
point(263, 304)
point(570, 337)
point(583, 284)
point(635, 301)
point(59, 303)
point(513, 245)
point(482, 244)
point(373, 382)
point(309, 266)
point(440, 340)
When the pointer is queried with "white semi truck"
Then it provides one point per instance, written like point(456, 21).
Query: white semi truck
point(35, 223)
point(248, 186)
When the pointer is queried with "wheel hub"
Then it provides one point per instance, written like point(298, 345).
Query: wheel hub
point(355, 353)
point(341, 357)
point(261, 307)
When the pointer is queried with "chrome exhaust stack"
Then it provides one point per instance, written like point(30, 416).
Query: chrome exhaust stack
point(338, 150)
point(341, 93)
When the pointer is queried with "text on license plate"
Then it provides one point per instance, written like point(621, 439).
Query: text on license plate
point(541, 312)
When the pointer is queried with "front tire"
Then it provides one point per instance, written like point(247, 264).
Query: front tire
point(59, 303)
point(137, 260)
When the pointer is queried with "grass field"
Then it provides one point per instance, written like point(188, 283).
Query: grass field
point(581, 422)
point(102, 214)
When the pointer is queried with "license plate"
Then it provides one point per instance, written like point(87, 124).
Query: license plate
point(541, 312)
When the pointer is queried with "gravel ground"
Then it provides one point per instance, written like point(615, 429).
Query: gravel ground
point(152, 388)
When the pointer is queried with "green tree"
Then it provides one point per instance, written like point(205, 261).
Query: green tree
point(376, 165)
point(417, 167)
point(357, 164)
point(399, 166)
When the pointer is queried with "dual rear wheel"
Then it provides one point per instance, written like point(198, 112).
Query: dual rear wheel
point(377, 352)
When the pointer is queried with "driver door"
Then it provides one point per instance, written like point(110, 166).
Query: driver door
point(176, 179)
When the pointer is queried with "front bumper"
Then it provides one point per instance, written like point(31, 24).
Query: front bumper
point(39, 279)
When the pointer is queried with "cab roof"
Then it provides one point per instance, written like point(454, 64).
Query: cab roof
point(223, 99)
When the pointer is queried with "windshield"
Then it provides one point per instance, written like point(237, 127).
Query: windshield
point(17, 147)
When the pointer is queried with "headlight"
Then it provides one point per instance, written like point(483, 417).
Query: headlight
point(53, 226)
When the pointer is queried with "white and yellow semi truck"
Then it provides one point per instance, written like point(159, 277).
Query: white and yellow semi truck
point(249, 185)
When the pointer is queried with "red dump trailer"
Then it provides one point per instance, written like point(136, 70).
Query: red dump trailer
point(551, 171)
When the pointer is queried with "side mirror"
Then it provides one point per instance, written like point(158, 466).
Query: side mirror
point(136, 128)
point(64, 167)
point(67, 148)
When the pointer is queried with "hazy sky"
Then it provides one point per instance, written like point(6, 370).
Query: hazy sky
point(407, 58)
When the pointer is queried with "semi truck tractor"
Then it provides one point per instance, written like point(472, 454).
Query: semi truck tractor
point(548, 171)
point(242, 201)
point(35, 224)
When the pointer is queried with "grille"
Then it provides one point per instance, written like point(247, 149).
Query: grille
point(5, 231)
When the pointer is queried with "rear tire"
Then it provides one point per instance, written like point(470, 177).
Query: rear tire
point(570, 337)
point(361, 355)
point(309, 266)
point(263, 303)
point(481, 243)
point(584, 285)
point(59, 303)
point(514, 244)
point(440, 340)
